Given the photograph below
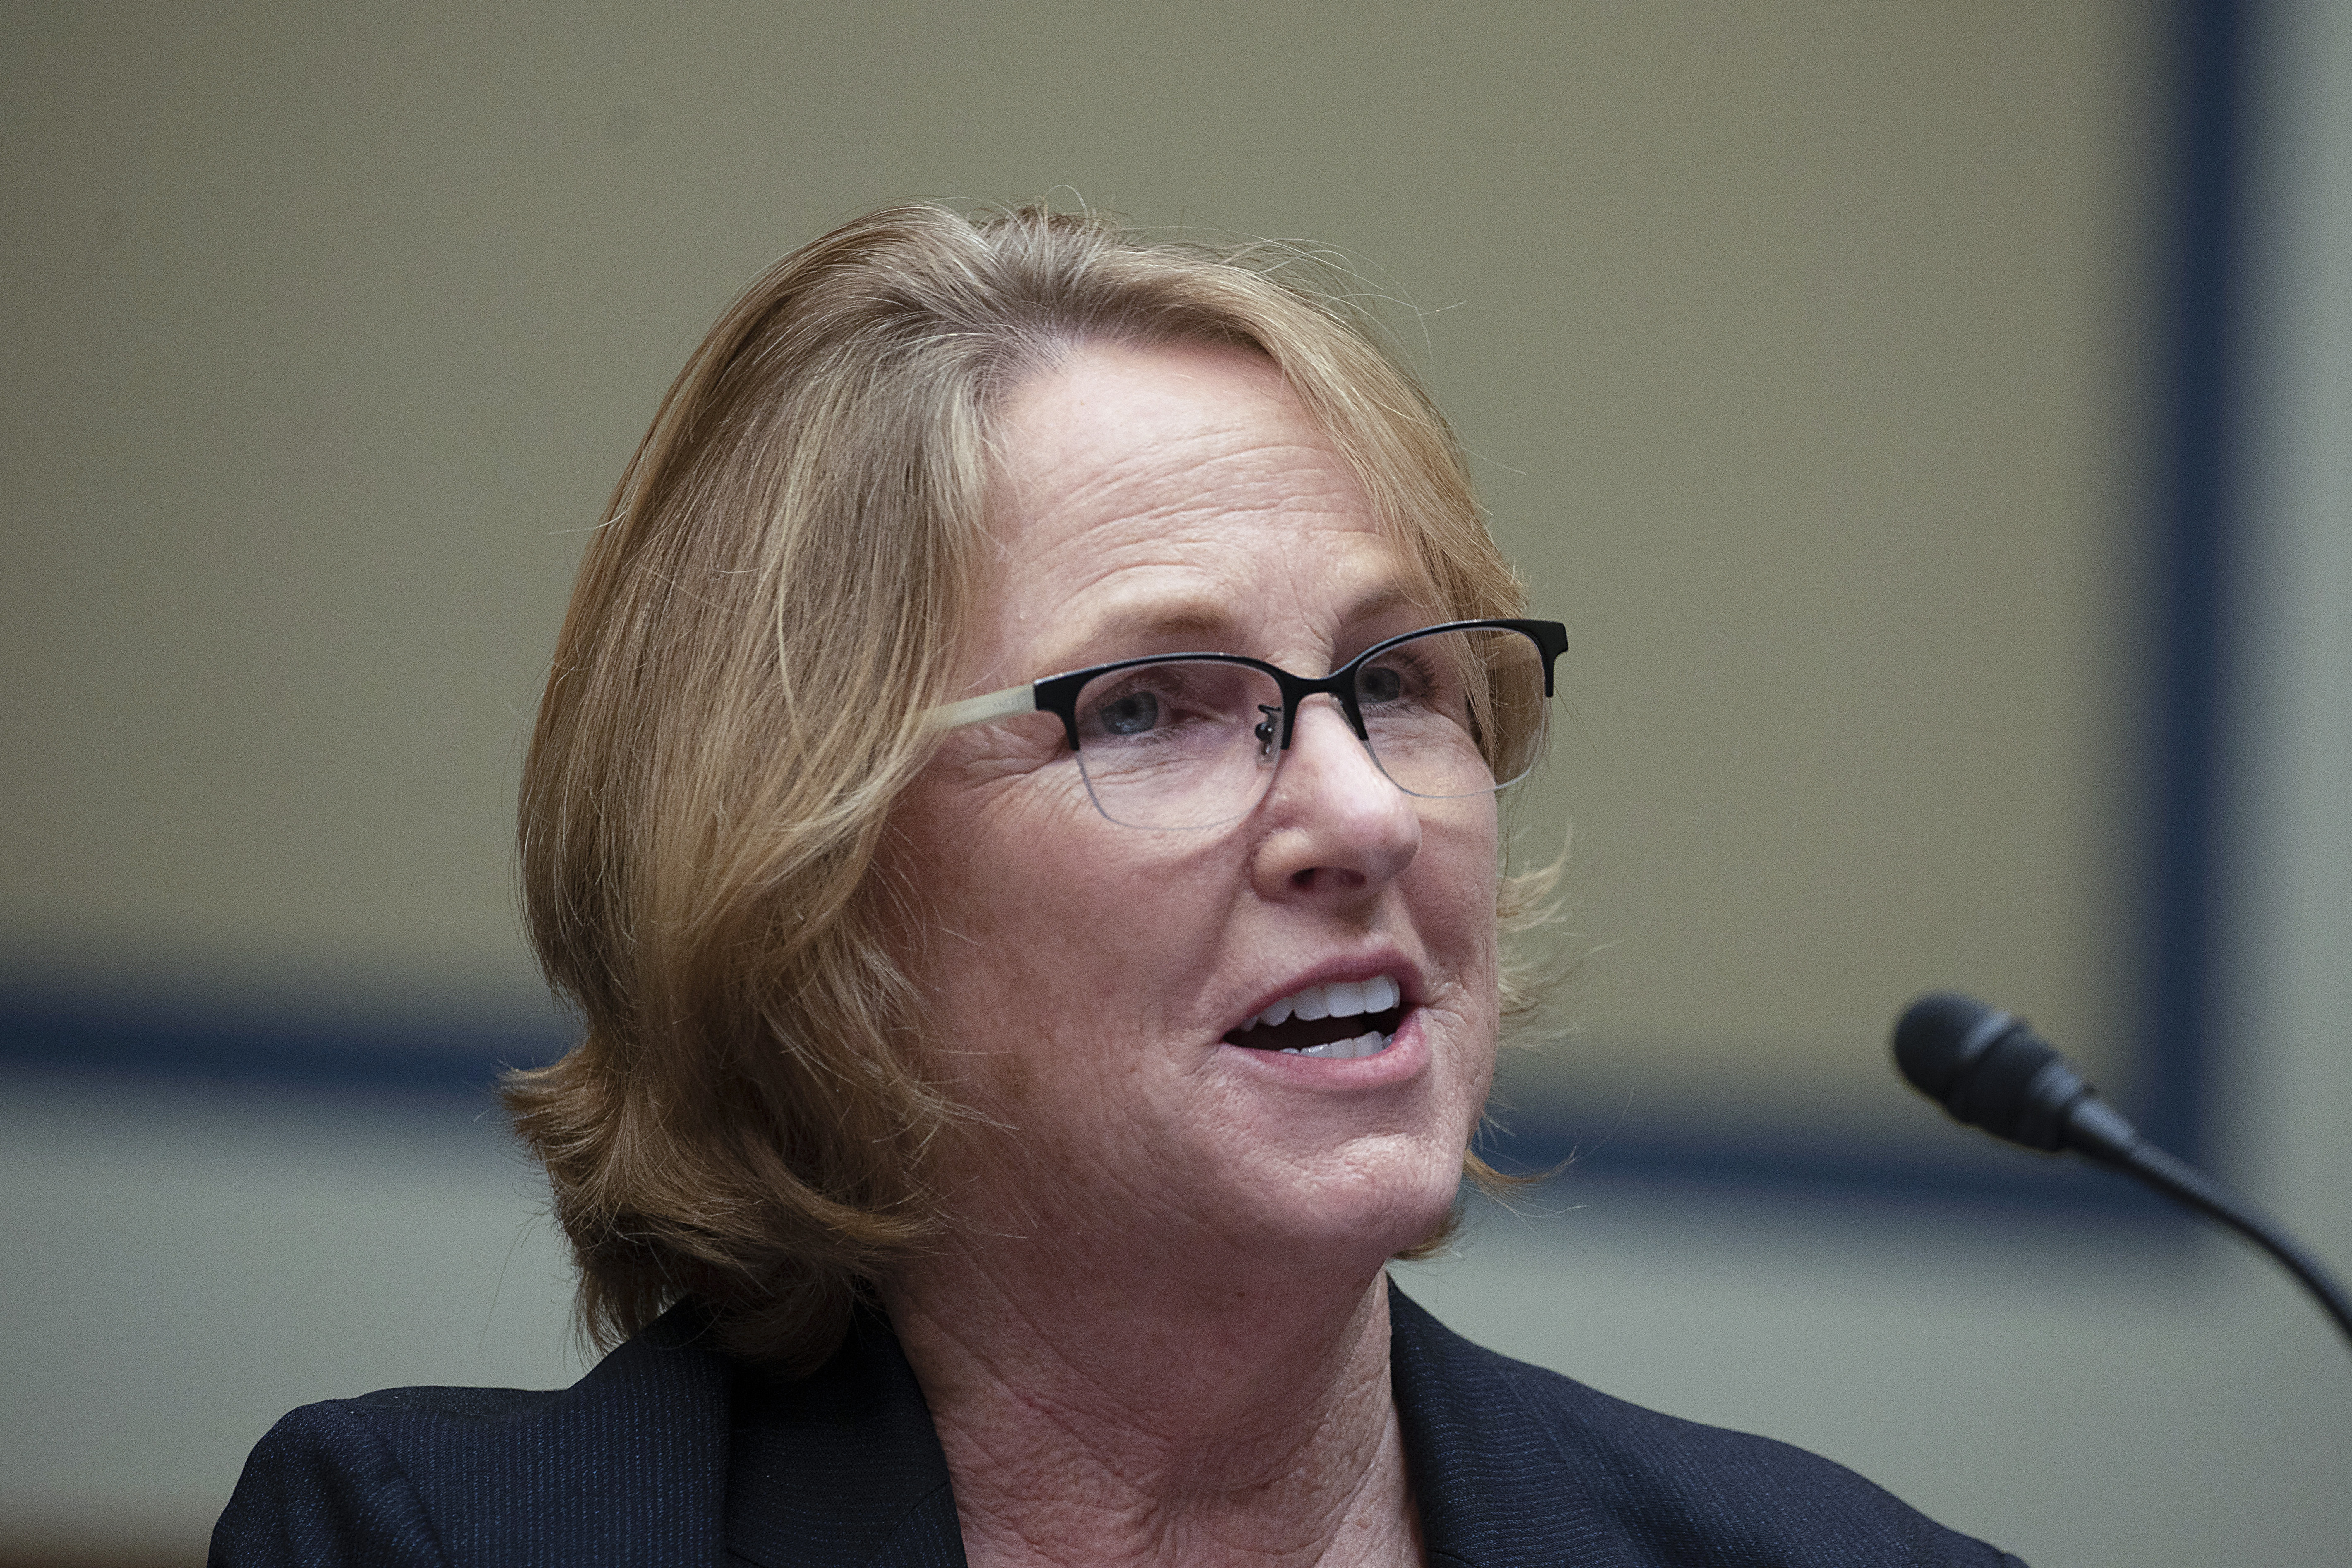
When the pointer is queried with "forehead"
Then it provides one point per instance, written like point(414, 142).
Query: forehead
point(1179, 496)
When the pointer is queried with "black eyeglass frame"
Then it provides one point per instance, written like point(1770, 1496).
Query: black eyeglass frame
point(1058, 694)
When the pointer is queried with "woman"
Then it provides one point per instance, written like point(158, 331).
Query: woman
point(1028, 1000)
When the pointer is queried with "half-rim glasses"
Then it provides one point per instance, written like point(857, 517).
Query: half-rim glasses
point(1193, 740)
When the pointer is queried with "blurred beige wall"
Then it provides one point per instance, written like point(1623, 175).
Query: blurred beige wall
point(1798, 344)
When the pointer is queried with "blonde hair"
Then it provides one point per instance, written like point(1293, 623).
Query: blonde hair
point(776, 595)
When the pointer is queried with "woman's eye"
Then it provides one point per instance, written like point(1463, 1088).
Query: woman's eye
point(1130, 713)
point(1166, 704)
point(1380, 683)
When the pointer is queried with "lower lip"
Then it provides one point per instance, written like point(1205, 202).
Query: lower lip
point(1407, 1050)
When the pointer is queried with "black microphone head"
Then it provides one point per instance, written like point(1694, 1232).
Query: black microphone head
point(1935, 1036)
point(1989, 1070)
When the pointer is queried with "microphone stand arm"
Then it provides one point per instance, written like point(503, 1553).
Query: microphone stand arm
point(2097, 1131)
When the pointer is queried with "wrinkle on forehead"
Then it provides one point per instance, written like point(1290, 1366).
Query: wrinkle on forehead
point(1222, 423)
point(1179, 484)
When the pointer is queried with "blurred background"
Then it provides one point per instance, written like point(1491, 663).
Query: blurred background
point(1930, 422)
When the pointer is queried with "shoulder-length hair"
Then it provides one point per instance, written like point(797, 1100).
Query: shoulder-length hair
point(776, 597)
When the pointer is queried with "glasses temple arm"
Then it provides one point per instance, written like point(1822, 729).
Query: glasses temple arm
point(1004, 704)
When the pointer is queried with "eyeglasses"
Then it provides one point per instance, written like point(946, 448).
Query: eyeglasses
point(1193, 740)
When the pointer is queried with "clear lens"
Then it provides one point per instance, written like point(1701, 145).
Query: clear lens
point(1455, 712)
point(1180, 744)
point(1193, 743)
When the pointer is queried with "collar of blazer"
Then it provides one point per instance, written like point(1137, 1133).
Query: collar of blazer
point(669, 1452)
point(843, 1468)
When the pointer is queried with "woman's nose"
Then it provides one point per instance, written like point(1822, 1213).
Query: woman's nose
point(1336, 829)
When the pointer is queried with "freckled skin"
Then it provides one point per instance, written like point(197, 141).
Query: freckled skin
point(1169, 1299)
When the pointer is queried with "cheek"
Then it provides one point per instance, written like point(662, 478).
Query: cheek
point(1037, 931)
point(1457, 867)
point(1456, 910)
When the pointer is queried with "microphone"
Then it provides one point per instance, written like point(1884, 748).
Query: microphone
point(1990, 1070)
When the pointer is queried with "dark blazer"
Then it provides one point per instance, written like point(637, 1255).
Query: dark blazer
point(669, 1452)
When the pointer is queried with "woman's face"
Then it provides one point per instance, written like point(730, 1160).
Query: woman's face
point(1091, 982)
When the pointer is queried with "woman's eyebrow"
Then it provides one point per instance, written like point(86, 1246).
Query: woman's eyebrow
point(1189, 626)
point(1379, 602)
point(1199, 624)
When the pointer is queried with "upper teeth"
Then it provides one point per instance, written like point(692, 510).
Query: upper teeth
point(1338, 999)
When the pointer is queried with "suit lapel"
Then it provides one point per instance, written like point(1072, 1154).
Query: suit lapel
point(843, 1468)
point(625, 1467)
point(1490, 1480)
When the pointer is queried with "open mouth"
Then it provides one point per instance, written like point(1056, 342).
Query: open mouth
point(1336, 1022)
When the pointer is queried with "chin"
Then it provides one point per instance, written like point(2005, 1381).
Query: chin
point(1368, 1211)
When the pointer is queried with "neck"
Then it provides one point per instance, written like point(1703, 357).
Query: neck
point(1089, 1419)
